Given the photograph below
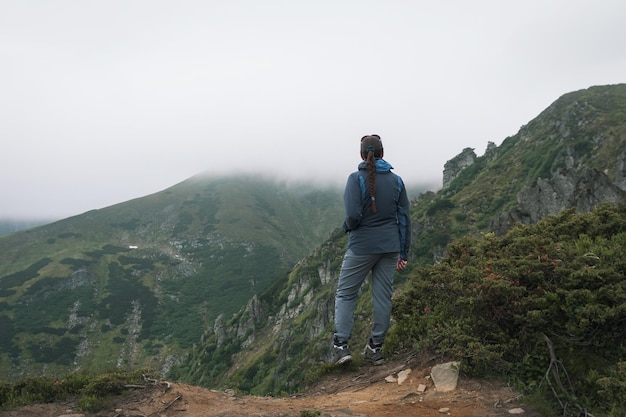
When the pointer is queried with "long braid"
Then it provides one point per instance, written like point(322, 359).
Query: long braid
point(371, 149)
point(371, 164)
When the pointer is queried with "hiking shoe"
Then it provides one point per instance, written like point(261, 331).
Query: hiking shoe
point(341, 353)
point(373, 353)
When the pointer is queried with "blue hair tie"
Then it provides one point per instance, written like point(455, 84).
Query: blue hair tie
point(370, 149)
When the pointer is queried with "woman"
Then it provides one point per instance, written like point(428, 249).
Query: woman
point(377, 220)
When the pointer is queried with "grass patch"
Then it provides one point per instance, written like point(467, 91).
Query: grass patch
point(92, 392)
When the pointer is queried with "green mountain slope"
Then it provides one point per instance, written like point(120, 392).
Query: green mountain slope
point(140, 282)
point(571, 156)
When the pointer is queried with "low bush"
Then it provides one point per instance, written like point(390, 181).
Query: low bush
point(91, 392)
point(543, 306)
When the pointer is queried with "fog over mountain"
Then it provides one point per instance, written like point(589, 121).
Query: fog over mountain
point(104, 102)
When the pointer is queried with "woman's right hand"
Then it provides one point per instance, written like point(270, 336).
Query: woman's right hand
point(401, 264)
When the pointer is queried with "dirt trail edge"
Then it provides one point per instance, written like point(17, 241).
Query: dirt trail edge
point(354, 391)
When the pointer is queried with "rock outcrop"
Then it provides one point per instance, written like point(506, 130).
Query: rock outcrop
point(568, 188)
point(456, 165)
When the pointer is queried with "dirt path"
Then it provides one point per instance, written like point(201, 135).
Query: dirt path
point(356, 392)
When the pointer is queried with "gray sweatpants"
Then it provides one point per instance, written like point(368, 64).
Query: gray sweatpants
point(354, 270)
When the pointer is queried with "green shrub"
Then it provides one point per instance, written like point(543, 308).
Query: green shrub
point(93, 391)
point(31, 390)
point(309, 413)
point(91, 403)
point(507, 306)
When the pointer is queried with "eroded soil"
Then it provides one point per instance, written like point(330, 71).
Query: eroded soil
point(353, 391)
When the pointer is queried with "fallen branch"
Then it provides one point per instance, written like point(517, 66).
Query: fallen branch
point(157, 382)
point(554, 371)
point(135, 386)
point(179, 396)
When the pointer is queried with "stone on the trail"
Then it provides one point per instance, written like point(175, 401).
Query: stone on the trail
point(516, 411)
point(445, 376)
point(403, 375)
point(391, 379)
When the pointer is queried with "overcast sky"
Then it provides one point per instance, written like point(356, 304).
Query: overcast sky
point(106, 101)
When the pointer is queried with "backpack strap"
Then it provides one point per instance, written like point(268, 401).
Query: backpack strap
point(363, 187)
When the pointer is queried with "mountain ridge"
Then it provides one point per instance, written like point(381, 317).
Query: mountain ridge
point(283, 336)
point(138, 278)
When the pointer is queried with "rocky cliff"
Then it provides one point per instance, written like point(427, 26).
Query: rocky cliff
point(456, 165)
point(567, 188)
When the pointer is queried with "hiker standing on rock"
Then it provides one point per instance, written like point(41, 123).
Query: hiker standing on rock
point(377, 221)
